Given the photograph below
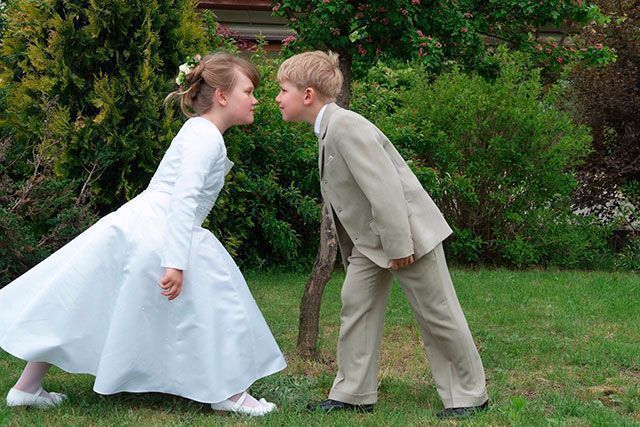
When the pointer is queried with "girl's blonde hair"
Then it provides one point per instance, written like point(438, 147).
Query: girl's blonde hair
point(215, 70)
point(317, 69)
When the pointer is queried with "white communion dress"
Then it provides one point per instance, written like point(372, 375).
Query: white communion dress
point(95, 305)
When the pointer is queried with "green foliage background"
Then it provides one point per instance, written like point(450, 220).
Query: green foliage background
point(83, 127)
point(497, 156)
point(80, 112)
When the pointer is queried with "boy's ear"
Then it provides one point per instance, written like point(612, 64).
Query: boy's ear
point(309, 96)
point(220, 97)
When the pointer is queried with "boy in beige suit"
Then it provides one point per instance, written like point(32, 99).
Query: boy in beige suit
point(387, 226)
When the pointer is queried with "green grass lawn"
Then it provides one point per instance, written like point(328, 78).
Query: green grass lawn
point(558, 348)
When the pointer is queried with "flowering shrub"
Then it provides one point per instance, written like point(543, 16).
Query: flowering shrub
point(430, 31)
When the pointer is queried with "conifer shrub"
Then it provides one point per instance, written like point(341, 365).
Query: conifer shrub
point(81, 117)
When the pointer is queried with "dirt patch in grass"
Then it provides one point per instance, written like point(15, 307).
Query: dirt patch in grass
point(529, 383)
point(608, 395)
point(402, 353)
point(324, 363)
point(634, 373)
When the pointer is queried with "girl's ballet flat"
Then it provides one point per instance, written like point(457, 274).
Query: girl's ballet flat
point(17, 397)
point(237, 407)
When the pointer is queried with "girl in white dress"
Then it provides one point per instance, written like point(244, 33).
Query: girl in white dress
point(146, 299)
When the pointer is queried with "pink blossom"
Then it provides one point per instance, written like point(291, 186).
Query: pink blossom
point(325, 1)
point(404, 12)
point(468, 15)
point(438, 45)
point(548, 51)
point(385, 21)
point(598, 46)
point(363, 7)
point(559, 59)
point(361, 50)
point(276, 7)
point(420, 33)
point(382, 9)
point(359, 15)
point(335, 31)
point(422, 52)
point(288, 40)
point(378, 51)
point(463, 29)
point(415, 1)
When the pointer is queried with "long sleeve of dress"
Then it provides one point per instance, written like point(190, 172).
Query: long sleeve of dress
point(198, 155)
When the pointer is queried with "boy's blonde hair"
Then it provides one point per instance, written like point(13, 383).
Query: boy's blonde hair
point(317, 69)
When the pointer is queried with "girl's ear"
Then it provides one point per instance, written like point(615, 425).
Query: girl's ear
point(220, 97)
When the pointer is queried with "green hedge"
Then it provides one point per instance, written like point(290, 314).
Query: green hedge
point(497, 157)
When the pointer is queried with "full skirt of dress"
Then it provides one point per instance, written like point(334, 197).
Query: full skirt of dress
point(95, 307)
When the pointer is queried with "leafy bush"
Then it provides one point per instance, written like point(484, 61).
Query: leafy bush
point(497, 157)
point(268, 212)
point(37, 215)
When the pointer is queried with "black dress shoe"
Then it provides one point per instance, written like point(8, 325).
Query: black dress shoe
point(335, 405)
point(462, 412)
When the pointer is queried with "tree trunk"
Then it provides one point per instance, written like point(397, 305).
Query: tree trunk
point(345, 67)
point(312, 297)
point(326, 257)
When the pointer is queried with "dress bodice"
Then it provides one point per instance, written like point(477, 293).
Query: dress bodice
point(192, 171)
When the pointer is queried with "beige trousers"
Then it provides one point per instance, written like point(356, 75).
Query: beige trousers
point(455, 363)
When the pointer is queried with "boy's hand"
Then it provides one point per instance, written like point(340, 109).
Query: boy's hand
point(171, 283)
point(397, 264)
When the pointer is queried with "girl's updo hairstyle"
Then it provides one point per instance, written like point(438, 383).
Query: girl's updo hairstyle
point(216, 70)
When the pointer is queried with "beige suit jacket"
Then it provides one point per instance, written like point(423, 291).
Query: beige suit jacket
point(377, 203)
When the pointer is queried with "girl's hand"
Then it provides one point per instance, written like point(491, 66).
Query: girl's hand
point(171, 283)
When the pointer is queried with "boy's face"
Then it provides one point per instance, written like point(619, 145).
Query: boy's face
point(291, 101)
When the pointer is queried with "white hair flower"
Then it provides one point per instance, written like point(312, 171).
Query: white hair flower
point(186, 68)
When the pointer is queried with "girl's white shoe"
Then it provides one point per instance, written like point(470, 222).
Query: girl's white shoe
point(237, 407)
point(17, 397)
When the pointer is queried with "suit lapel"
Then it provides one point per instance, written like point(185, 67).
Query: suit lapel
point(324, 125)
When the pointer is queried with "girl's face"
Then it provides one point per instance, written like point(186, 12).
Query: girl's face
point(240, 101)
